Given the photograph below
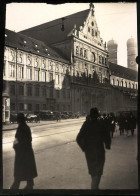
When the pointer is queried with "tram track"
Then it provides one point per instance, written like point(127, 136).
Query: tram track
point(35, 137)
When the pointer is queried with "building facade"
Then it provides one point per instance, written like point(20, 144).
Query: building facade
point(71, 74)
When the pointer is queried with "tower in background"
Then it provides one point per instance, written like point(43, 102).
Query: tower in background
point(112, 47)
point(131, 54)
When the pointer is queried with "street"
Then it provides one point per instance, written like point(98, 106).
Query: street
point(62, 165)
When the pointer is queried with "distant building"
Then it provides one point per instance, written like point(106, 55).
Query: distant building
point(63, 65)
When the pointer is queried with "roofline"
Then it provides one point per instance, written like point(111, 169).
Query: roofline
point(52, 21)
point(37, 54)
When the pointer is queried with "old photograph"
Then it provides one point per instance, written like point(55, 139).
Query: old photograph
point(70, 92)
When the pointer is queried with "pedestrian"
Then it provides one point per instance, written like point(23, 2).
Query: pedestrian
point(132, 123)
point(121, 122)
point(127, 124)
point(91, 139)
point(24, 166)
point(111, 126)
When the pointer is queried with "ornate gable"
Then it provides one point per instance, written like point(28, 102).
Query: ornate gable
point(89, 31)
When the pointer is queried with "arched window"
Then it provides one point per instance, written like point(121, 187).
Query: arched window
point(136, 86)
point(126, 84)
point(129, 85)
point(121, 83)
point(113, 81)
point(133, 86)
point(118, 82)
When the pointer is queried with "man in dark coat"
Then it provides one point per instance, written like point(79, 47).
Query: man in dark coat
point(91, 138)
point(121, 122)
point(132, 123)
point(25, 166)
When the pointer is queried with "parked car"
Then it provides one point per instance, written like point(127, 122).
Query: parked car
point(31, 118)
point(46, 115)
point(64, 115)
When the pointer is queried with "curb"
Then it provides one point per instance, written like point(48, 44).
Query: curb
point(34, 125)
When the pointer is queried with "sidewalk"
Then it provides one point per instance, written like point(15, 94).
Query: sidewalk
point(12, 126)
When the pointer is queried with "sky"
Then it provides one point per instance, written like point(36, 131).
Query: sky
point(117, 21)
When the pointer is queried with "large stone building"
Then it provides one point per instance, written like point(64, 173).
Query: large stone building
point(63, 65)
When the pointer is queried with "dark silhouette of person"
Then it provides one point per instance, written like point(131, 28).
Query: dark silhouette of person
point(25, 166)
point(92, 139)
point(121, 122)
point(132, 123)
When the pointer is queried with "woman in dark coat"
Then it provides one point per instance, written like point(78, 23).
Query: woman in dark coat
point(25, 166)
point(91, 138)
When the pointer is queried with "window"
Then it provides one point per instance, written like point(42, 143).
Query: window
point(29, 73)
point(85, 53)
point(129, 85)
point(100, 59)
point(21, 90)
point(136, 86)
point(21, 106)
point(37, 91)
point(12, 70)
point(96, 33)
point(126, 84)
point(118, 82)
point(121, 83)
point(36, 75)
point(57, 79)
point(103, 60)
point(51, 76)
point(133, 86)
point(43, 76)
point(21, 72)
point(77, 50)
point(113, 81)
point(81, 51)
point(92, 23)
point(89, 29)
point(92, 12)
point(92, 32)
point(12, 90)
point(29, 91)
point(44, 91)
point(29, 107)
point(37, 107)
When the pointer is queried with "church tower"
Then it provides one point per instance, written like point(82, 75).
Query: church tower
point(112, 47)
point(131, 54)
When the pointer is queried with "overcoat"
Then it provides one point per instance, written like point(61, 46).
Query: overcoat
point(25, 166)
point(92, 138)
